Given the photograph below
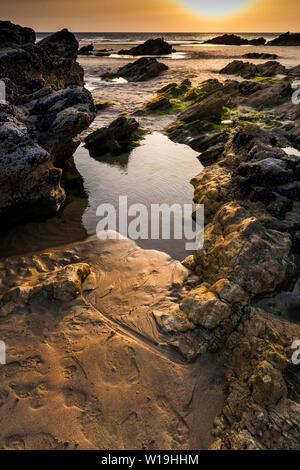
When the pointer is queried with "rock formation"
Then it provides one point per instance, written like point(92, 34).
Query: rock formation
point(247, 301)
point(118, 137)
point(233, 40)
point(141, 70)
point(151, 47)
point(46, 109)
point(287, 39)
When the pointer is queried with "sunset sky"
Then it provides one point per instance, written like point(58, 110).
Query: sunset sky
point(155, 15)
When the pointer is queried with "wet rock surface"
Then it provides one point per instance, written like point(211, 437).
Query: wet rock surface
point(141, 70)
point(247, 302)
point(116, 138)
point(47, 108)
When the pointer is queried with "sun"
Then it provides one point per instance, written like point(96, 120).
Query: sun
point(217, 7)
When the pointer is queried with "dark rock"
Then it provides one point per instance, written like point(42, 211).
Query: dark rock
point(260, 55)
point(86, 50)
point(151, 47)
point(211, 155)
point(62, 44)
point(210, 109)
point(11, 34)
point(248, 70)
point(50, 62)
point(233, 40)
point(158, 104)
point(116, 138)
point(35, 84)
point(141, 70)
point(286, 39)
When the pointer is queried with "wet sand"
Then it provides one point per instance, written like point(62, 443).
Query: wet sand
point(96, 373)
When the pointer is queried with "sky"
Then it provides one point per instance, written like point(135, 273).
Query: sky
point(155, 15)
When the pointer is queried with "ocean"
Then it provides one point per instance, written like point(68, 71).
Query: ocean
point(180, 39)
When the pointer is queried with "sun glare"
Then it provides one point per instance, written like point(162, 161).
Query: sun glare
point(216, 7)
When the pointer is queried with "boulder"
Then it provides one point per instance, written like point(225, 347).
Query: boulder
point(115, 138)
point(141, 70)
point(61, 44)
point(86, 50)
point(12, 34)
point(151, 47)
point(286, 39)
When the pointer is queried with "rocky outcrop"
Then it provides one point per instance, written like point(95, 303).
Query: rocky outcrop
point(233, 40)
point(141, 70)
point(260, 55)
point(39, 127)
point(210, 109)
point(246, 303)
point(11, 34)
point(287, 39)
point(53, 59)
point(86, 50)
point(151, 47)
point(61, 44)
point(62, 285)
point(118, 137)
point(248, 70)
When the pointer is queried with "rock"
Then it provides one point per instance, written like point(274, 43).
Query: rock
point(233, 40)
point(151, 47)
point(63, 285)
point(204, 308)
point(285, 304)
point(86, 50)
point(62, 44)
point(210, 109)
point(52, 60)
point(35, 84)
point(29, 151)
point(294, 71)
point(267, 385)
point(286, 39)
point(11, 34)
point(161, 103)
point(116, 138)
point(141, 70)
point(260, 55)
point(247, 70)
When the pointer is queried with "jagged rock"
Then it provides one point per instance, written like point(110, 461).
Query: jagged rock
point(151, 47)
point(141, 70)
point(210, 109)
point(54, 62)
point(62, 285)
point(11, 34)
point(116, 138)
point(62, 44)
point(286, 39)
point(161, 103)
point(86, 50)
point(40, 131)
point(233, 40)
point(247, 70)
